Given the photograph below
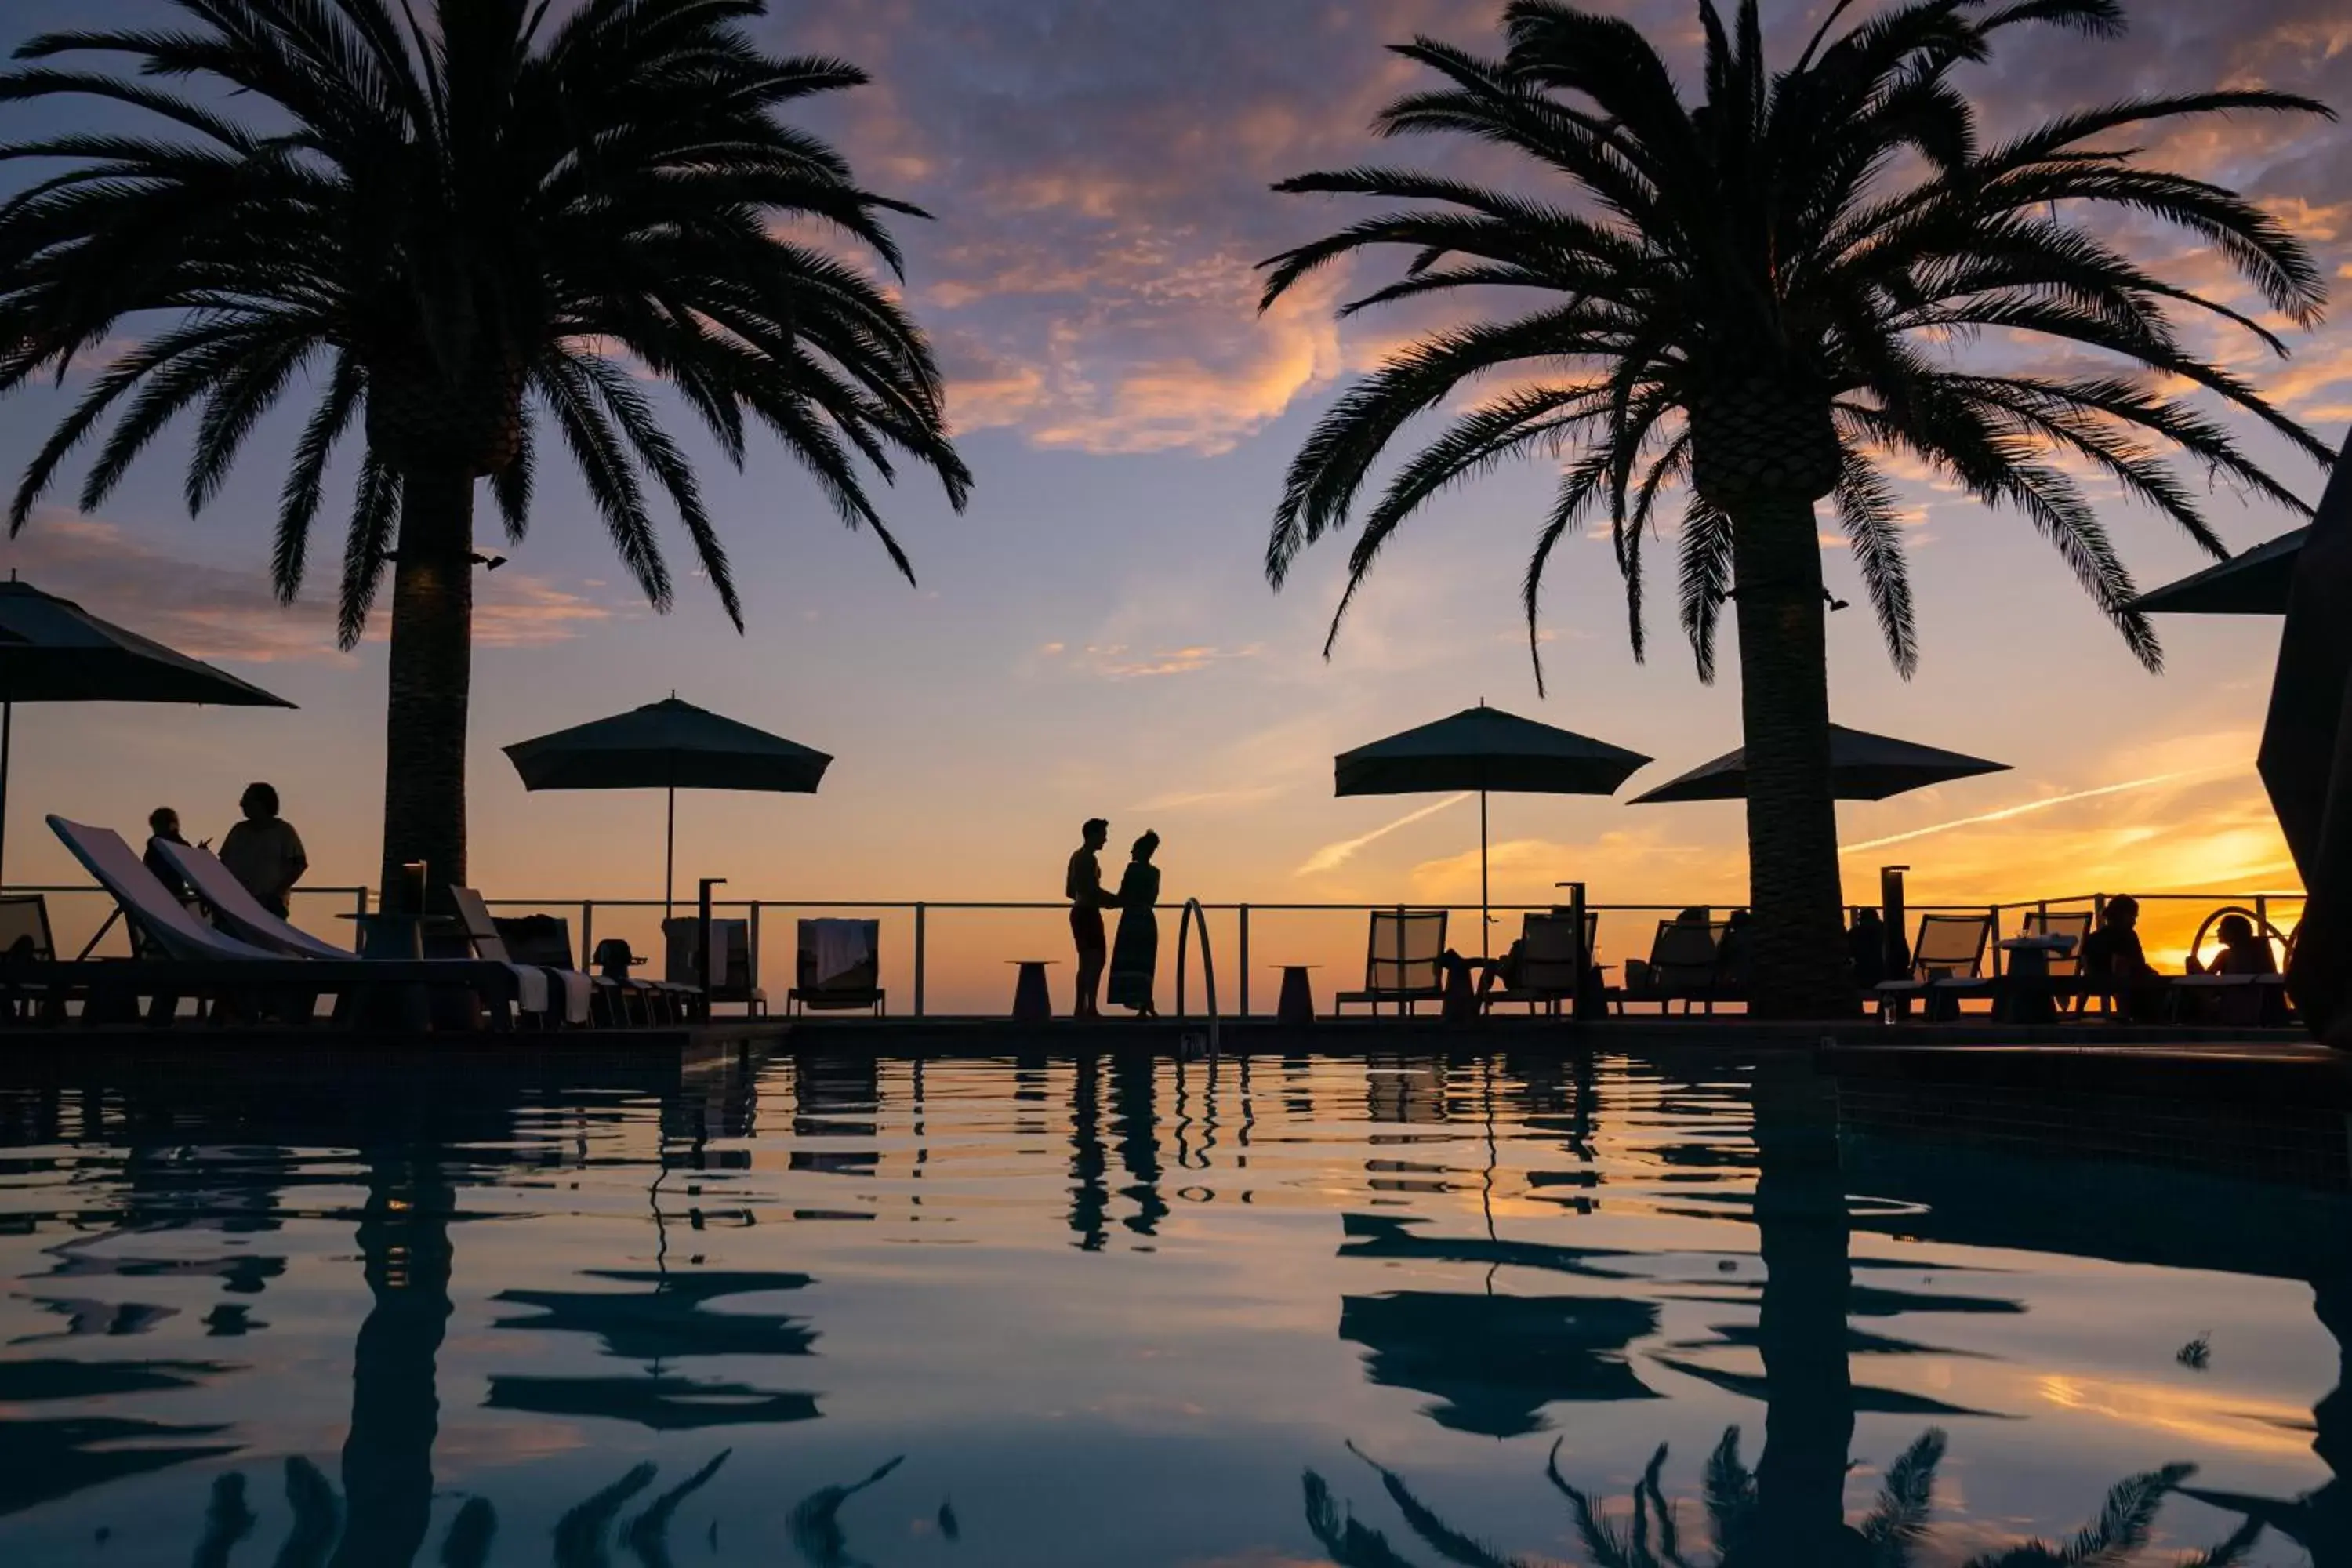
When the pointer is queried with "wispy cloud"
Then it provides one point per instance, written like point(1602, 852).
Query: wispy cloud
point(229, 612)
point(1120, 661)
point(1331, 856)
point(2027, 808)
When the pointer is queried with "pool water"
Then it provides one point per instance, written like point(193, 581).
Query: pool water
point(1253, 1313)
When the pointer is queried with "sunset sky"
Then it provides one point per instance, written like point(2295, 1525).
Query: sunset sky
point(1095, 637)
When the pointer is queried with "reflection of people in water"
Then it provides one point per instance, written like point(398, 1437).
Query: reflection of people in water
point(1135, 957)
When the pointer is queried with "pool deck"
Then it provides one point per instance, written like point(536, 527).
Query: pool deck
point(2242, 1067)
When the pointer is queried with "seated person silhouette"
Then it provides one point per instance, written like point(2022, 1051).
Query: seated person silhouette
point(2114, 966)
point(1866, 940)
point(2242, 951)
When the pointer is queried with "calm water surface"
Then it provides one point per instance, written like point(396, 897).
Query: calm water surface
point(1119, 1311)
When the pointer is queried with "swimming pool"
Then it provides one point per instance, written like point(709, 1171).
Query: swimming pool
point(1266, 1311)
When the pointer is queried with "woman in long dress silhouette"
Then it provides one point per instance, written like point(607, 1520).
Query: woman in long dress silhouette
point(1134, 954)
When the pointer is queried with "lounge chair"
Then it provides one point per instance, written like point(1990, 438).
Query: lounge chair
point(235, 910)
point(1948, 963)
point(1685, 965)
point(838, 966)
point(197, 958)
point(2066, 967)
point(1548, 961)
point(25, 929)
point(1403, 962)
point(483, 936)
point(731, 946)
point(25, 945)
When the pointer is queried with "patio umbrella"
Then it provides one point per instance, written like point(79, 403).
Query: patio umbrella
point(668, 745)
point(53, 650)
point(1862, 766)
point(1486, 749)
point(2253, 584)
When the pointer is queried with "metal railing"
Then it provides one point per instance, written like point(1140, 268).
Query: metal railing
point(1333, 932)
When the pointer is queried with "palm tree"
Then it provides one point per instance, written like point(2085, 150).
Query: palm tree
point(450, 231)
point(1750, 301)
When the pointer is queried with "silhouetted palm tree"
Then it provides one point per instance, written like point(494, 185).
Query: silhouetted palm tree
point(457, 230)
point(1756, 298)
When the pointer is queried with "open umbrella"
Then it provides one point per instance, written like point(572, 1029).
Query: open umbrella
point(1862, 766)
point(2253, 584)
point(668, 745)
point(53, 650)
point(1486, 749)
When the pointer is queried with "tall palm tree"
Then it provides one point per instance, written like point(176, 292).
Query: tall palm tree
point(1750, 301)
point(448, 232)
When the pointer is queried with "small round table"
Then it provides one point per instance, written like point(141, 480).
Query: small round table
point(1295, 1008)
point(2029, 998)
point(1031, 1002)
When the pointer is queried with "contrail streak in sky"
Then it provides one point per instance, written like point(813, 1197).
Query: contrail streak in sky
point(1331, 856)
point(2007, 811)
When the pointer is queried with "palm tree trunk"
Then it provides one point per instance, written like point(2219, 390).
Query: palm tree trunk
point(1800, 968)
point(432, 680)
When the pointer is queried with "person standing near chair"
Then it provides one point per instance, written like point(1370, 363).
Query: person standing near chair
point(1135, 956)
point(263, 851)
point(1083, 886)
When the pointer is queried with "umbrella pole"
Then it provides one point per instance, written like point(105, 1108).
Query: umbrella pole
point(1485, 950)
point(669, 863)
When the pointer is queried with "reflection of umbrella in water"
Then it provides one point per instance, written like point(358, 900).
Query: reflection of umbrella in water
point(1485, 749)
point(53, 650)
point(665, 1322)
point(1862, 766)
point(658, 1404)
point(1390, 1239)
point(668, 745)
point(668, 1322)
point(1494, 1361)
point(41, 1460)
point(2256, 582)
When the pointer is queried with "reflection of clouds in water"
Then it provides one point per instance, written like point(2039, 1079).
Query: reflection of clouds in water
point(1354, 1249)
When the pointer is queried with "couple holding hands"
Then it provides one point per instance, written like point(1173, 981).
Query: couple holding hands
point(1135, 959)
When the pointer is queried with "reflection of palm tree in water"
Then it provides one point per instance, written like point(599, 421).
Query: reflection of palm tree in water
point(1789, 1511)
point(404, 1236)
point(1648, 1531)
point(2319, 1521)
point(1800, 1328)
point(584, 1537)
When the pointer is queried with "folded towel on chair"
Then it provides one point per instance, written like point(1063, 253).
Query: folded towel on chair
point(838, 946)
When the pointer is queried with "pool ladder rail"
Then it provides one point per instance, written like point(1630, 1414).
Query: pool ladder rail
point(1193, 913)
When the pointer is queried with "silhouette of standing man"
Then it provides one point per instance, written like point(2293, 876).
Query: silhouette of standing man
point(1083, 885)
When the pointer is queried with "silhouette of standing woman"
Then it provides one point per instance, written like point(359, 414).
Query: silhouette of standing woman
point(1087, 900)
point(1136, 958)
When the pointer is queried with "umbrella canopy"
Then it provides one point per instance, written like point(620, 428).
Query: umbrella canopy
point(1486, 749)
point(1862, 766)
point(2253, 584)
point(668, 745)
point(53, 650)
